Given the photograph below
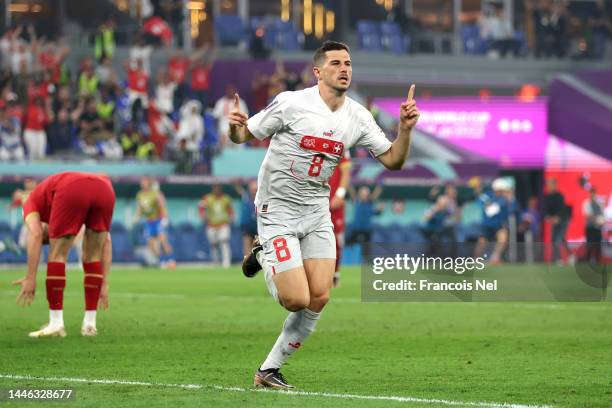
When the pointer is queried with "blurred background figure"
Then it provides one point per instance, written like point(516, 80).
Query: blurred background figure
point(222, 108)
point(248, 214)
point(529, 228)
point(217, 214)
point(593, 211)
point(494, 228)
point(339, 184)
point(558, 215)
point(151, 205)
point(365, 208)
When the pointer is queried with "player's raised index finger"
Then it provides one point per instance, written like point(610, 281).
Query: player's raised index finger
point(236, 101)
point(411, 93)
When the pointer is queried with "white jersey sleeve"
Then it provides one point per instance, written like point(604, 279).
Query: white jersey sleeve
point(372, 137)
point(269, 120)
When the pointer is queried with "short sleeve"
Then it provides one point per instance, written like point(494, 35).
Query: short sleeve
point(269, 120)
point(32, 203)
point(371, 135)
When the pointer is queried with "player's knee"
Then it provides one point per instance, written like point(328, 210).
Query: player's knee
point(317, 303)
point(295, 303)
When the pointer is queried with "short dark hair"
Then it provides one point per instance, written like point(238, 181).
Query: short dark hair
point(319, 54)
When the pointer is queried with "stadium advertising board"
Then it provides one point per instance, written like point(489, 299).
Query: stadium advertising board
point(505, 129)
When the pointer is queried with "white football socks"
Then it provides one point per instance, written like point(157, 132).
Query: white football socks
point(90, 318)
point(56, 318)
point(297, 327)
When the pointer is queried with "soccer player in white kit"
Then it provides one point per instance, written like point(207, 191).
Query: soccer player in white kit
point(310, 130)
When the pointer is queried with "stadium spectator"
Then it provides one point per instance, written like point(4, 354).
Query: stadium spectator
point(90, 126)
point(178, 65)
point(599, 26)
point(223, 107)
point(217, 214)
point(135, 145)
point(151, 205)
point(88, 81)
point(164, 93)
point(451, 208)
point(435, 220)
point(191, 126)
point(365, 207)
point(550, 24)
point(248, 214)
point(257, 47)
point(260, 93)
point(10, 140)
point(104, 44)
point(558, 214)
point(54, 213)
point(141, 51)
point(497, 27)
point(494, 228)
point(138, 86)
point(200, 78)
point(35, 119)
point(106, 73)
point(593, 211)
point(529, 228)
point(60, 134)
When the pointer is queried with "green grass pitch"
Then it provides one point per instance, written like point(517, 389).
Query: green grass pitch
point(213, 327)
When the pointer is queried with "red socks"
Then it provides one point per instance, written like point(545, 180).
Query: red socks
point(56, 282)
point(92, 283)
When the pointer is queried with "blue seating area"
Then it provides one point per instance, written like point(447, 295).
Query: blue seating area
point(278, 34)
point(229, 29)
point(474, 44)
point(383, 36)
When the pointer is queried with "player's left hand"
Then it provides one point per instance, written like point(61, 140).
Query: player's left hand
point(103, 302)
point(28, 289)
point(409, 113)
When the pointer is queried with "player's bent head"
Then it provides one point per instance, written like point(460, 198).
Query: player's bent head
point(320, 54)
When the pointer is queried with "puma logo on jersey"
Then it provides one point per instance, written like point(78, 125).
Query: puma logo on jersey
point(328, 134)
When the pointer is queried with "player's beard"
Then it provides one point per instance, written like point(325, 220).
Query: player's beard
point(339, 88)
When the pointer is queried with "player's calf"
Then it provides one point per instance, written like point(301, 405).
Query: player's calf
point(92, 283)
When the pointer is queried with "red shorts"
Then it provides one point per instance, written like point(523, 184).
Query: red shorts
point(88, 201)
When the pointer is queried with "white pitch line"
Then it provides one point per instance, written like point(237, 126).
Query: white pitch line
point(265, 390)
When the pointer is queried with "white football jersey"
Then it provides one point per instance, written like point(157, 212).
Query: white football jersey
point(308, 142)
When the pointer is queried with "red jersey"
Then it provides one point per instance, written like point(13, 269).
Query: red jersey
point(159, 28)
point(177, 69)
point(334, 180)
point(35, 117)
point(200, 78)
point(138, 80)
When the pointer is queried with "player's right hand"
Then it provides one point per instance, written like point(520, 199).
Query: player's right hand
point(103, 302)
point(236, 117)
point(28, 289)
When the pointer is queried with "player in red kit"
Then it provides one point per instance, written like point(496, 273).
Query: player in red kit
point(338, 186)
point(54, 212)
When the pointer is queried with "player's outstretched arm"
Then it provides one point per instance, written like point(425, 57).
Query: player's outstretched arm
point(238, 131)
point(34, 247)
point(396, 156)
